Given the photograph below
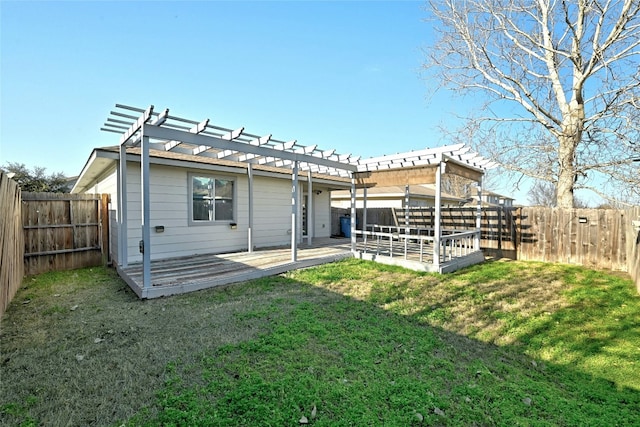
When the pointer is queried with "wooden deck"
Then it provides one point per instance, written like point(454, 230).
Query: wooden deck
point(187, 274)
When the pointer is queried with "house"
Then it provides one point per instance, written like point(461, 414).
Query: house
point(495, 199)
point(197, 201)
point(192, 203)
point(490, 198)
point(394, 197)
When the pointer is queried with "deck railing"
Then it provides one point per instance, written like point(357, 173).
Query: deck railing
point(457, 244)
point(413, 241)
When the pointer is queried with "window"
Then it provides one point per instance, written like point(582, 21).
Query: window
point(212, 199)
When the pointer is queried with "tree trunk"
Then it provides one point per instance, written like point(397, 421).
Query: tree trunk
point(572, 127)
point(567, 174)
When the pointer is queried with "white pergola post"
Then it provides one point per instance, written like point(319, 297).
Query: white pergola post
point(294, 212)
point(407, 203)
point(407, 230)
point(353, 213)
point(146, 213)
point(364, 215)
point(476, 242)
point(310, 217)
point(123, 256)
point(437, 232)
point(250, 225)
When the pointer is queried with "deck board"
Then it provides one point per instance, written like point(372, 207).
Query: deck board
point(187, 274)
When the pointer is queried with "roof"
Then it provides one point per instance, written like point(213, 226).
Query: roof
point(104, 158)
point(493, 193)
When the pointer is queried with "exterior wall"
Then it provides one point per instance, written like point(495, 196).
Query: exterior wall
point(113, 233)
point(322, 213)
point(169, 200)
point(495, 199)
point(271, 212)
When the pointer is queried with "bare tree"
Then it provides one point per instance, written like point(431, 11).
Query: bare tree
point(458, 186)
point(560, 83)
point(542, 193)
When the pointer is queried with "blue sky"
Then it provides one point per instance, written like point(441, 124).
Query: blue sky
point(344, 75)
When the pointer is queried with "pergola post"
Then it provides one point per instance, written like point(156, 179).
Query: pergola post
point(476, 240)
point(294, 212)
point(437, 232)
point(310, 219)
point(364, 215)
point(353, 213)
point(406, 207)
point(123, 257)
point(146, 214)
point(407, 229)
point(250, 190)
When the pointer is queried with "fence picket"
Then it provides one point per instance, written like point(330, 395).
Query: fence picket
point(11, 241)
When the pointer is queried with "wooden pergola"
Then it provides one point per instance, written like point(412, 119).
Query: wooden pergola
point(149, 130)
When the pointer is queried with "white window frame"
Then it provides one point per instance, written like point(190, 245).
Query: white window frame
point(211, 222)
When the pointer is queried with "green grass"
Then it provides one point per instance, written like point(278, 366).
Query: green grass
point(503, 343)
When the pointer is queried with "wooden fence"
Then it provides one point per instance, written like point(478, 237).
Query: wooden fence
point(590, 237)
point(633, 244)
point(64, 231)
point(11, 241)
point(598, 238)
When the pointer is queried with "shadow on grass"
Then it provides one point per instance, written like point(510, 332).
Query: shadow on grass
point(267, 352)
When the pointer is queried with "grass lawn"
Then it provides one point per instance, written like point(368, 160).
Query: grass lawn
point(349, 343)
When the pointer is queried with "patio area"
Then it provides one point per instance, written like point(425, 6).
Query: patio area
point(187, 274)
point(401, 246)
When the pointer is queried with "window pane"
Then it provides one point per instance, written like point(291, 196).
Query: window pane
point(224, 200)
point(202, 206)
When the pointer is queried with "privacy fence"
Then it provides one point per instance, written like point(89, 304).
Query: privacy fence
point(11, 241)
point(633, 243)
point(598, 238)
point(63, 231)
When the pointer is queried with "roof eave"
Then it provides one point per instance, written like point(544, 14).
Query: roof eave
point(89, 176)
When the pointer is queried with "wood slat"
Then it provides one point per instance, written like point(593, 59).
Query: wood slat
point(11, 241)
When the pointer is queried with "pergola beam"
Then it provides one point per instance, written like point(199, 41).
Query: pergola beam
point(168, 134)
point(433, 152)
point(399, 176)
point(197, 129)
point(135, 127)
point(233, 134)
point(239, 156)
